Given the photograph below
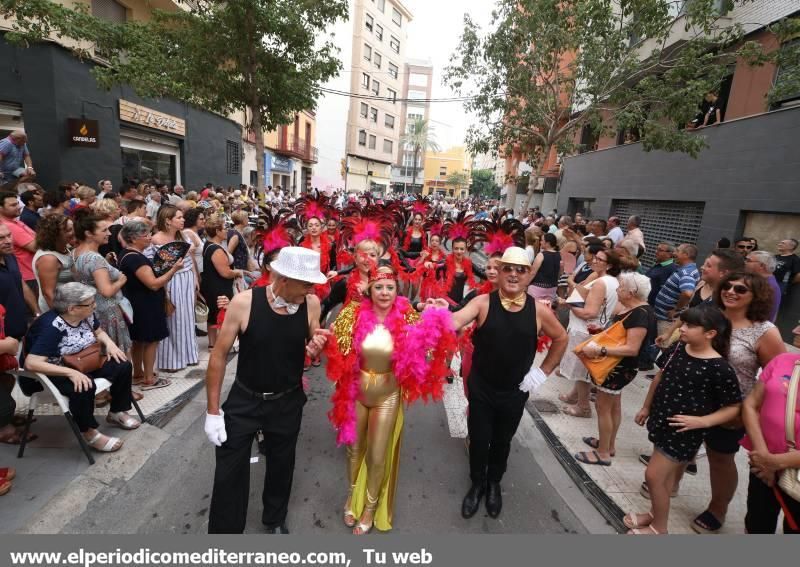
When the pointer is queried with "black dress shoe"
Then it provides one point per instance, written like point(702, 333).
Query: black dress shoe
point(494, 499)
point(279, 529)
point(472, 501)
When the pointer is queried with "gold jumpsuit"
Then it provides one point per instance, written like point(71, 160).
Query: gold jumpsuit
point(378, 427)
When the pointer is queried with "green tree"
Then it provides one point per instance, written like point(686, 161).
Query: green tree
point(420, 138)
point(548, 68)
point(458, 180)
point(483, 184)
point(263, 57)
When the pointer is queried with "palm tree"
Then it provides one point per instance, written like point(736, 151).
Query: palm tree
point(420, 138)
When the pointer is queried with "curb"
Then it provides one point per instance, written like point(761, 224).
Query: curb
point(596, 495)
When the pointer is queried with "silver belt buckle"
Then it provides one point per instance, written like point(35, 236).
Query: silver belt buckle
point(266, 395)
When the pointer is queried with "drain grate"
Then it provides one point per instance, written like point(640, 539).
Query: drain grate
point(544, 406)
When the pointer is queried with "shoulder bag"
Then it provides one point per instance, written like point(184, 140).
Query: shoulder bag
point(789, 479)
point(88, 360)
point(599, 368)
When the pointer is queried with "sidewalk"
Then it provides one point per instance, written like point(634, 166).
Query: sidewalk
point(55, 460)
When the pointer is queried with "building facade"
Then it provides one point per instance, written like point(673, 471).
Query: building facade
point(439, 169)
point(407, 176)
point(374, 117)
point(78, 131)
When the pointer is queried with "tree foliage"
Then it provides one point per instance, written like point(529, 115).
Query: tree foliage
point(264, 57)
point(483, 184)
point(548, 68)
point(458, 180)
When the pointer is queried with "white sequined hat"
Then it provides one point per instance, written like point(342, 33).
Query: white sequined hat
point(298, 263)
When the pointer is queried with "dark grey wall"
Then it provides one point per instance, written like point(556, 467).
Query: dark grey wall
point(52, 85)
point(752, 164)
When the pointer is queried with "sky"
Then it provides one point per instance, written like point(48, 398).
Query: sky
point(433, 34)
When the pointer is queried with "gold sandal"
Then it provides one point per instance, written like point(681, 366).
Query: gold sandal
point(371, 505)
point(349, 518)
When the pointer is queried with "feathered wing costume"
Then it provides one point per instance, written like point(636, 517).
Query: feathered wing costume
point(419, 350)
point(307, 208)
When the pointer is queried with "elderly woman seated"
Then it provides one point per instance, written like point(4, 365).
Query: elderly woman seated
point(67, 329)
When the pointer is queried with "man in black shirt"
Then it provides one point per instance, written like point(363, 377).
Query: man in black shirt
point(787, 271)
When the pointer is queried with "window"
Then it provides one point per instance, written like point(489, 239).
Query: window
point(365, 80)
point(381, 5)
point(233, 157)
point(418, 79)
point(110, 11)
point(388, 146)
point(397, 17)
point(388, 121)
point(417, 95)
point(392, 94)
point(393, 70)
point(783, 93)
point(367, 52)
point(373, 115)
point(394, 43)
point(377, 59)
point(379, 32)
point(362, 138)
point(442, 171)
point(411, 118)
point(364, 110)
point(376, 88)
point(372, 142)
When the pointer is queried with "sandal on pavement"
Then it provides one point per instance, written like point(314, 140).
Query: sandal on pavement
point(136, 396)
point(567, 400)
point(16, 438)
point(5, 486)
point(632, 522)
point(123, 420)
point(137, 380)
point(706, 523)
point(649, 530)
point(7, 473)
point(583, 457)
point(362, 528)
point(102, 400)
point(159, 383)
point(348, 517)
point(644, 490)
point(112, 443)
point(575, 412)
point(594, 443)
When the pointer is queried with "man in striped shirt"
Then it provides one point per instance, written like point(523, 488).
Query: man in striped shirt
point(679, 287)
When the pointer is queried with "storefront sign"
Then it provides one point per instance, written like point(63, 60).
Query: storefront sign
point(137, 114)
point(281, 164)
point(84, 133)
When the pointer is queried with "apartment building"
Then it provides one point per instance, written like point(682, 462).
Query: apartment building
point(439, 170)
point(407, 176)
point(743, 183)
point(374, 120)
point(78, 131)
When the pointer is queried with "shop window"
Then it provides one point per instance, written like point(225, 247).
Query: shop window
point(379, 32)
point(362, 138)
point(394, 43)
point(367, 52)
point(373, 115)
point(234, 157)
point(377, 59)
point(388, 146)
point(388, 121)
point(372, 142)
point(143, 165)
point(364, 110)
point(397, 17)
point(393, 70)
point(376, 88)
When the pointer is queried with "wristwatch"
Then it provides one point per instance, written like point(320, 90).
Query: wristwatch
point(603, 351)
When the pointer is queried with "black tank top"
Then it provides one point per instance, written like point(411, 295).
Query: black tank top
point(273, 348)
point(697, 299)
point(547, 276)
point(505, 345)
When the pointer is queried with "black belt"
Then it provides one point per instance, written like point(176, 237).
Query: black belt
point(265, 396)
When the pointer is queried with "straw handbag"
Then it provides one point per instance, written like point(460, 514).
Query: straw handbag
point(200, 311)
point(789, 479)
point(599, 368)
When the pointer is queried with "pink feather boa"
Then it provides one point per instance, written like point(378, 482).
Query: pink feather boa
point(416, 374)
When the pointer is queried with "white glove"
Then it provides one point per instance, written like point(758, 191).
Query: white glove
point(533, 380)
point(215, 428)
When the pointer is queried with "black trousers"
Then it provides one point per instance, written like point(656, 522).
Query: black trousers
point(494, 416)
point(7, 404)
point(763, 509)
point(279, 421)
point(81, 404)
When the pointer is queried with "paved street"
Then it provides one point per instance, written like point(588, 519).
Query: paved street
point(170, 491)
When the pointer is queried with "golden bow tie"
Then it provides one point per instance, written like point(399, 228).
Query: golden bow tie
point(508, 302)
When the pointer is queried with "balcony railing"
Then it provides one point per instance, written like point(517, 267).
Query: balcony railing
point(297, 148)
point(408, 171)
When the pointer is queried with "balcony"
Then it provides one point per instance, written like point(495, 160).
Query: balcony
point(297, 148)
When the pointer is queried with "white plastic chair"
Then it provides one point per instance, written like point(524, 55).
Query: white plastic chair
point(50, 391)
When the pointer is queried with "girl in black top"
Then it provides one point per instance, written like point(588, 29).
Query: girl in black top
point(696, 390)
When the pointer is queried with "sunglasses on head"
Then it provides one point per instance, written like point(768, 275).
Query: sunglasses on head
point(519, 269)
point(739, 289)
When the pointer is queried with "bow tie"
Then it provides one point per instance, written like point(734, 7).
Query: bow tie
point(280, 302)
point(509, 302)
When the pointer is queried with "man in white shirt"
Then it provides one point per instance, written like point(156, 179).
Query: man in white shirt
point(615, 232)
point(153, 204)
point(634, 232)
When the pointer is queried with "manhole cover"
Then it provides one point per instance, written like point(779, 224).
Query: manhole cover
point(544, 406)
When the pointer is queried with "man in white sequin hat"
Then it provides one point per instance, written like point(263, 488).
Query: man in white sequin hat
point(277, 327)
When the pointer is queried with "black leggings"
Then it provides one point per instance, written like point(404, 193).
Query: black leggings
point(763, 509)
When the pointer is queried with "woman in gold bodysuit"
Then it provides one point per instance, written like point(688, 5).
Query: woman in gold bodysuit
point(375, 370)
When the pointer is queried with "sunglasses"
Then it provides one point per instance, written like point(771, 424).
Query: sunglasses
point(519, 269)
point(744, 247)
point(738, 289)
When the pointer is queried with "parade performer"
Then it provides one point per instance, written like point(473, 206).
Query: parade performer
point(430, 267)
point(508, 324)
point(274, 237)
point(277, 326)
point(459, 272)
point(384, 353)
point(312, 212)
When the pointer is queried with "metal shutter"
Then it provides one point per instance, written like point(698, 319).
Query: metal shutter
point(672, 221)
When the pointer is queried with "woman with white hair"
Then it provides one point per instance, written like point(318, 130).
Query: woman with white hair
point(639, 320)
point(69, 328)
